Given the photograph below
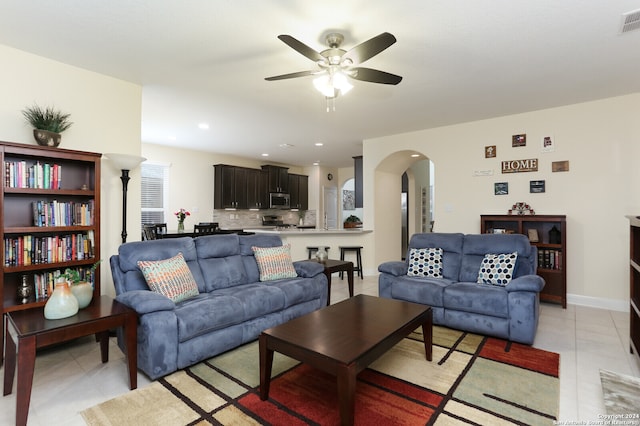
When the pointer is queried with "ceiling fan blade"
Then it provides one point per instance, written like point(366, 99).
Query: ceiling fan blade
point(369, 48)
point(375, 76)
point(291, 75)
point(302, 48)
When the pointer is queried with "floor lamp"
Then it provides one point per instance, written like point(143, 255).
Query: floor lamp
point(124, 163)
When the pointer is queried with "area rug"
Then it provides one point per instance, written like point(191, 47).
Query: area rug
point(621, 393)
point(472, 379)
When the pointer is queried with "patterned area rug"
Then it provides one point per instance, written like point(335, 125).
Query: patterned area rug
point(472, 379)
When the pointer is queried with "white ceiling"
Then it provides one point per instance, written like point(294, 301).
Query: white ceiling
point(205, 61)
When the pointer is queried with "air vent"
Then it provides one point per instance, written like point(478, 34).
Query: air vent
point(630, 21)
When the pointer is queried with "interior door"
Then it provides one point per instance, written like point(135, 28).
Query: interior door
point(330, 208)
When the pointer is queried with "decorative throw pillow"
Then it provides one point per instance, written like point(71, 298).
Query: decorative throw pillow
point(170, 277)
point(497, 268)
point(425, 262)
point(274, 263)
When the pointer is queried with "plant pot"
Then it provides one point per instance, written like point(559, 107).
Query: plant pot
point(83, 292)
point(352, 224)
point(61, 304)
point(47, 138)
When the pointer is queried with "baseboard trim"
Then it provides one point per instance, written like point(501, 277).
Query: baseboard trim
point(598, 302)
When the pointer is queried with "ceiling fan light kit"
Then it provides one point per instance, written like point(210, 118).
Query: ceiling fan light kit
point(337, 65)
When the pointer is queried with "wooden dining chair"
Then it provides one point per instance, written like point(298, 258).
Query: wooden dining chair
point(149, 232)
point(203, 228)
point(161, 229)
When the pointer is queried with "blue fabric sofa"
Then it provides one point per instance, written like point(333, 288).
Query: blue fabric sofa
point(510, 312)
point(232, 308)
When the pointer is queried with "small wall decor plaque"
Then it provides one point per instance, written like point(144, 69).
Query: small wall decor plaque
point(560, 166)
point(519, 140)
point(548, 144)
point(536, 186)
point(518, 166)
point(490, 151)
point(501, 188)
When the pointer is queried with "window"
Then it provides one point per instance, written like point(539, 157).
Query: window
point(155, 187)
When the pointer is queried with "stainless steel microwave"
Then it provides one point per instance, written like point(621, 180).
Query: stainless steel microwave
point(279, 200)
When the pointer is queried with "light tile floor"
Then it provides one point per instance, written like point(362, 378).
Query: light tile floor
point(70, 377)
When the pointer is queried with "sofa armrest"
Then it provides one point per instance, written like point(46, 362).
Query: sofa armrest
point(533, 283)
point(145, 301)
point(396, 268)
point(307, 269)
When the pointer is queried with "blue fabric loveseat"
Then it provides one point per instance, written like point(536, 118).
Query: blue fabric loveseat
point(232, 305)
point(458, 301)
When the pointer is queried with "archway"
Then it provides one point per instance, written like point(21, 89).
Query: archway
point(388, 188)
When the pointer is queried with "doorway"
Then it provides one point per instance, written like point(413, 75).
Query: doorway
point(330, 220)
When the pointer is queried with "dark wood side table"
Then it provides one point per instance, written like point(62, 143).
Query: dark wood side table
point(30, 330)
point(331, 266)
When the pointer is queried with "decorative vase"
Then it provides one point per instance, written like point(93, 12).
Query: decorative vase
point(47, 138)
point(83, 292)
point(25, 290)
point(62, 303)
point(321, 254)
point(180, 226)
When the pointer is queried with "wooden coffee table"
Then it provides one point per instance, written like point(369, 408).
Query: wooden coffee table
point(30, 330)
point(343, 339)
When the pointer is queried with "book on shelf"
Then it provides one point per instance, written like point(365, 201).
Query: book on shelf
point(550, 259)
point(20, 174)
point(28, 250)
point(55, 213)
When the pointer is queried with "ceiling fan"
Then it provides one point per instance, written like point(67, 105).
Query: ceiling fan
point(336, 64)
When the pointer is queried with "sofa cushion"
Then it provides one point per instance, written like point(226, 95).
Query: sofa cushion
point(274, 263)
point(169, 277)
point(477, 245)
point(206, 313)
point(425, 262)
point(427, 291)
point(451, 245)
point(497, 268)
point(477, 298)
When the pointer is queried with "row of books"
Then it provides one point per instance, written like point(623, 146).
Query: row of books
point(44, 282)
point(19, 174)
point(549, 259)
point(34, 249)
point(56, 213)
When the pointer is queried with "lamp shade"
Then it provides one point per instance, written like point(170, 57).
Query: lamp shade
point(125, 161)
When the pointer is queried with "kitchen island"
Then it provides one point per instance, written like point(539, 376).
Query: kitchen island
point(301, 238)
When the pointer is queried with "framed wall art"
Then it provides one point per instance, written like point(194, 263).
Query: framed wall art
point(490, 151)
point(501, 188)
point(519, 140)
point(536, 186)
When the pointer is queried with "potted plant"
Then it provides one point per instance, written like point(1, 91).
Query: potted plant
point(352, 222)
point(82, 290)
point(47, 124)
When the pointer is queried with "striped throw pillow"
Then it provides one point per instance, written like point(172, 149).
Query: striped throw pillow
point(274, 263)
point(170, 277)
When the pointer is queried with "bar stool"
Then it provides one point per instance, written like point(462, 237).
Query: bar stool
point(358, 266)
point(313, 249)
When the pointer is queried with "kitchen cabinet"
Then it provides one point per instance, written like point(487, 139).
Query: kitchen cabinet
point(257, 189)
point(299, 191)
point(278, 178)
point(230, 187)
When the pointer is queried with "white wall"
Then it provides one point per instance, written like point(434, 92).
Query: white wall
point(106, 113)
point(600, 140)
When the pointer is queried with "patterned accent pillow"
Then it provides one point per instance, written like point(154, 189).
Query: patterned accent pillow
point(170, 277)
point(274, 263)
point(425, 262)
point(497, 269)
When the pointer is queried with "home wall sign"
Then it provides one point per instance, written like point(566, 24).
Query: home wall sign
point(519, 140)
point(519, 166)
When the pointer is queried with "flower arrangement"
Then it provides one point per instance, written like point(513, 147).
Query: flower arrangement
point(73, 277)
point(181, 215)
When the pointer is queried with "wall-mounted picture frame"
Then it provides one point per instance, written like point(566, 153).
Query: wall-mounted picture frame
point(490, 151)
point(519, 140)
point(348, 199)
point(501, 188)
point(560, 166)
point(548, 144)
point(537, 186)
